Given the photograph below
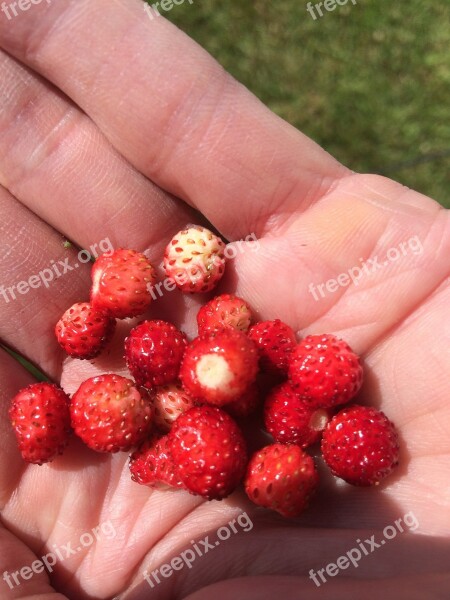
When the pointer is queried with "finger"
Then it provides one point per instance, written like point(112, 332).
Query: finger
point(179, 119)
point(411, 587)
point(282, 548)
point(16, 559)
point(55, 161)
point(39, 280)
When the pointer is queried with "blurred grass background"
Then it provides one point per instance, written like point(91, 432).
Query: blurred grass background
point(369, 82)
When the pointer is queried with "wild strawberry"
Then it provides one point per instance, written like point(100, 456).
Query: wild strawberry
point(224, 312)
point(219, 368)
point(121, 283)
point(153, 352)
point(40, 417)
point(194, 259)
point(152, 464)
point(246, 404)
point(290, 420)
point(210, 451)
point(169, 402)
point(275, 341)
point(282, 478)
point(360, 445)
point(110, 414)
point(325, 371)
point(83, 331)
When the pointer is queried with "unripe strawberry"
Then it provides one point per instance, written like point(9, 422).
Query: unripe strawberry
point(194, 259)
point(169, 402)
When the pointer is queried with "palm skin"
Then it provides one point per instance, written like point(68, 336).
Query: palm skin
point(314, 221)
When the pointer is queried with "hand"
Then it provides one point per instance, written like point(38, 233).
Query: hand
point(118, 127)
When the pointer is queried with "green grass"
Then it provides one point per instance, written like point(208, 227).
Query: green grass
point(37, 373)
point(370, 82)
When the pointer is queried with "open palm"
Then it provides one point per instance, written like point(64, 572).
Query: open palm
point(114, 126)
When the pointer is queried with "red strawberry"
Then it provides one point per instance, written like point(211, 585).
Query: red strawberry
point(275, 341)
point(281, 477)
point(224, 312)
point(325, 371)
point(290, 420)
point(219, 368)
point(360, 445)
point(153, 352)
point(110, 414)
point(40, 417)
point(246, 404)
point(152, 464)
point(194, 259)
point(83, 331)
point(169, 402)
point(121, 283)
point(210, 451)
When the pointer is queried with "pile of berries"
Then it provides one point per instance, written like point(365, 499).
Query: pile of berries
point(184, 413)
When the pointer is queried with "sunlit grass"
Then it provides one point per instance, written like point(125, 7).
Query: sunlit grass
point(369, 82)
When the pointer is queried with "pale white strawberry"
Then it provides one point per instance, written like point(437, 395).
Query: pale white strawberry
point(169, 402)
point(194, 259)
